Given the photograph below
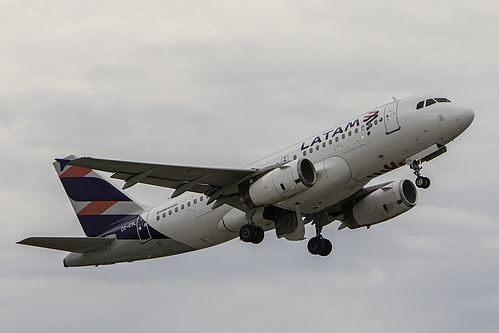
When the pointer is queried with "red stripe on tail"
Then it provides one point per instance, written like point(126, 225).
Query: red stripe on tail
point(75, 171)
point(96, 207)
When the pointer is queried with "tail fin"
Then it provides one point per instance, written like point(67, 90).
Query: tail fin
point(98, 203)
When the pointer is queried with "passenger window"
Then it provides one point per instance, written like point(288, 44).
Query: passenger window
point(323, 145)
point(356, 130)
point(182, 207)
point(200, 198)
point(195, 201)
point(430, 102)
point(330, 141)
point(176, 209)
point(304, 153)
point(317, 147)
point(420, 105)
point(170, 212)
point(157, 218)
point(295, 157)
point(311, 150)
point(188, 204)
point(337, 139)
point(343, 136)
point(164, 214)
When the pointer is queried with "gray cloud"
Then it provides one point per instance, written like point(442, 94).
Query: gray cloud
point(224, 84)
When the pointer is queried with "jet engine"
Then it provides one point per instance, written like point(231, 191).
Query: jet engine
point(280, 183)
point(382, 205)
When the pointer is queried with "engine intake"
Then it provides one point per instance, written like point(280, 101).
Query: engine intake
point(280, 183)
point(382, 205)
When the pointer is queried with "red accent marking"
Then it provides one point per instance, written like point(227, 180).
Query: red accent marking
point(393, 165)
point(75, 171)
point(96, 207)
point(401, 164)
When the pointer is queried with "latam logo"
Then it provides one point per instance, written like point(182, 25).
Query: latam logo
point(368, 119)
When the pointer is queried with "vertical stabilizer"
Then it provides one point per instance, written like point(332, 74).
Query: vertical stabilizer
point(97, 202)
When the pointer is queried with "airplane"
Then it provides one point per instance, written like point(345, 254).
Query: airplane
point(319, 180)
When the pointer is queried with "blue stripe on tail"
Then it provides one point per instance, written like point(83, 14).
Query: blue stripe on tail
point(92, 189)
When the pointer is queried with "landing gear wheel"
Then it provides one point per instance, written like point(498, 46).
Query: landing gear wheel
point(320, 246)
point(247, 233)
point(314, 245)
point(327, 247)
point(251, 234)
point(423, 182)
point(260, 234)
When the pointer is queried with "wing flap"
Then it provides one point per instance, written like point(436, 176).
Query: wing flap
point(69, 244)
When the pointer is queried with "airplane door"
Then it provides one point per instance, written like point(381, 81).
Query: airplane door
point(391, 121)
point(143, 230)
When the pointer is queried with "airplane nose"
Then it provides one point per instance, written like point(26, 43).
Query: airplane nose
point(464, 115)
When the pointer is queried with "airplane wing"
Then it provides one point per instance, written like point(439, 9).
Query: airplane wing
point(217, 183)
point(70, 244)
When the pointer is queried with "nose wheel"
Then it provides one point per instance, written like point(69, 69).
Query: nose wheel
point(421, 182)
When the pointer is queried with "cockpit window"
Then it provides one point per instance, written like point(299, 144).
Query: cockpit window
point(442, 100)
point(431, 101)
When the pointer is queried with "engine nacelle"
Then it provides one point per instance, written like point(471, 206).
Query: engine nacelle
point(280, 183)
point(382, 205)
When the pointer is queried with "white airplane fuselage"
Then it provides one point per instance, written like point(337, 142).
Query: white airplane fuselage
point(346, 158)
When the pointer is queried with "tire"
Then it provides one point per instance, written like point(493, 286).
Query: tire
point(427, 182)
point(247, 233)
point(259, 235)
point(315, 245)
point(327, 247)
point(420, 182)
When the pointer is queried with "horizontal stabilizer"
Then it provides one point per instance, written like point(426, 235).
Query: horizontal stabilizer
point(70, 244)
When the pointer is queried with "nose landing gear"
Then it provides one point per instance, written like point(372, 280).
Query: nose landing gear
point(422, 182)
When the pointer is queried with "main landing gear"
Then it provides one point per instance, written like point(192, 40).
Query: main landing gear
point(251, 234)
point(422, 182)
point(319, 245)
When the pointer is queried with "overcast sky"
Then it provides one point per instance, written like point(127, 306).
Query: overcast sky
point(224, 83)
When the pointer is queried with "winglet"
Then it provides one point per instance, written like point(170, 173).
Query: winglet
point(65, 160)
